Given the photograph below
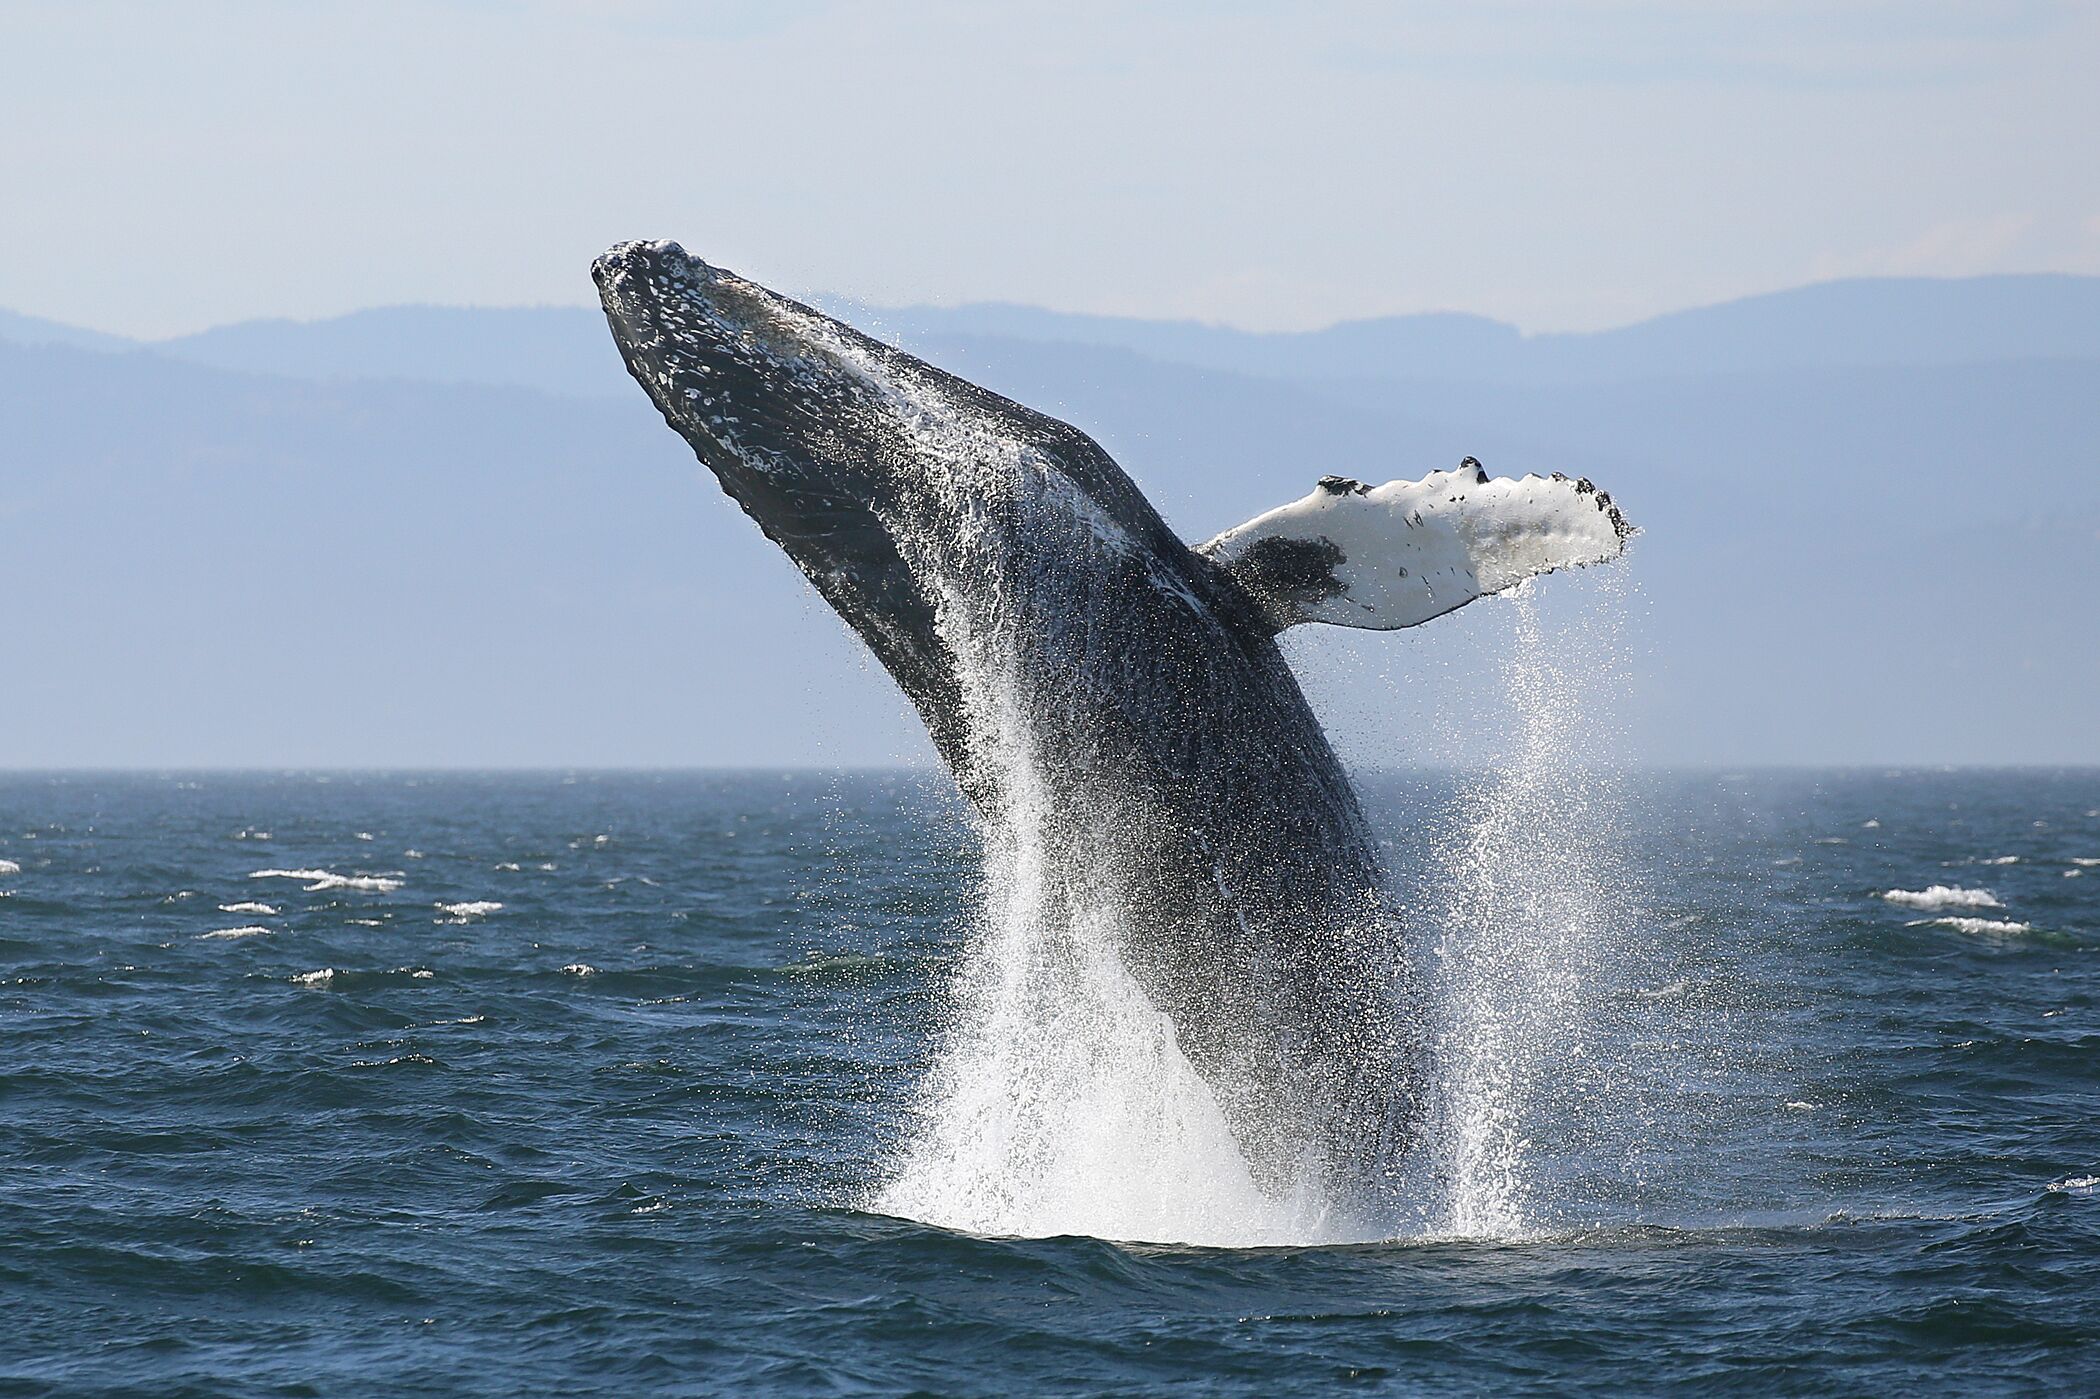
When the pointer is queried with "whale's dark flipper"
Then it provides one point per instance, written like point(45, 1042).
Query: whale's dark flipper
point(1084, 674)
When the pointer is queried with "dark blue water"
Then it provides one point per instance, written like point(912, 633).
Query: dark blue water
point(609, 1137)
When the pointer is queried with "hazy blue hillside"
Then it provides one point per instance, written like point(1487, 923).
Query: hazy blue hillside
point(1891, 321)
point(19, 329)
point(1841, 565)
point(212, 568)
point(557, 349)
point(367, 560)
point(1847, 324)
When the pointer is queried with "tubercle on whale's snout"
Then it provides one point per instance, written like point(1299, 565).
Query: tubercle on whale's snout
point(688, 332)
point(614, 267)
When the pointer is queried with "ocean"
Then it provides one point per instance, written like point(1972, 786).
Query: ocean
point(598, 1083)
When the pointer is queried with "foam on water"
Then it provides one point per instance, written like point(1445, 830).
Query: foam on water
point(1978, 927)
point(319, 881)
point(1943, 896)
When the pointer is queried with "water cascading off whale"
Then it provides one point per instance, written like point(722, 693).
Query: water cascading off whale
point(1112, 693)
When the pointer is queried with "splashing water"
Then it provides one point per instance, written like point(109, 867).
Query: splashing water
point(1530, 923)
point(1060, 1102)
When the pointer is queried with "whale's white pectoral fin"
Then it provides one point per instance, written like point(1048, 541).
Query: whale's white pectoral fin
point(1399, 554)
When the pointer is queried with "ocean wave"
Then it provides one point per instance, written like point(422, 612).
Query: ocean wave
point(249, 907)
point(1943, 896)
point(9, 867)
point(2002, 927)
point(320, 880)
point(253, 930)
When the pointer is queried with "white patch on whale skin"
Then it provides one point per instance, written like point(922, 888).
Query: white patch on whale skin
point(1400, 554)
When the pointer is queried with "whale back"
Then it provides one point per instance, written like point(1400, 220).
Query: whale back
point(1088, 678)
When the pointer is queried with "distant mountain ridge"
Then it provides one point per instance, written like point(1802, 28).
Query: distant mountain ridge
point(18, 329)
point(1842, 324)
point(428, 536)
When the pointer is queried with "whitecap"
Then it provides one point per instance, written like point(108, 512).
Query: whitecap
point(1975, 926)
point(2081, 1185)
point(1870, 825)
point(579, 969)
point(471, 908)
point(2086, 861)
point(323, 977)
point(321, 880)
point(2001, 860)
point(251, 931)
point(9, 867)
point(250, 907)
point(1943, 896)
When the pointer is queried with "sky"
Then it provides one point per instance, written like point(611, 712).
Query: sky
point(1563, 166)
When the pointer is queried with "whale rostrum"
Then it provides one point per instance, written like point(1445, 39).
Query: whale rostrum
point(1092, 679)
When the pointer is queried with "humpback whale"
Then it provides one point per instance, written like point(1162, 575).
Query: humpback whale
point(1084, 672)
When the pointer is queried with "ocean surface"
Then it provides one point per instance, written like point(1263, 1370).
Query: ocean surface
point(609, 1084)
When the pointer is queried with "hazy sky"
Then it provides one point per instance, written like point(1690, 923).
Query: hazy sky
point(1563, 165)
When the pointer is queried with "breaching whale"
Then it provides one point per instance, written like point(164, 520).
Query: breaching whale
point(1083, 671)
